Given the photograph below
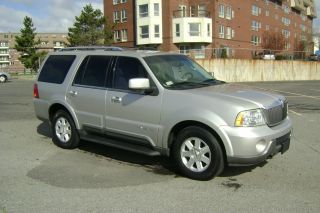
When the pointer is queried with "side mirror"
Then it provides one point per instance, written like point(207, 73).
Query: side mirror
point(139, 84)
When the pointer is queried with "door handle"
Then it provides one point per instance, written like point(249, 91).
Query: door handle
point(115, 99)
point(73, 93)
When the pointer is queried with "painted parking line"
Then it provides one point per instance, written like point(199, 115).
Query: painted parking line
point(296, 113)
point(297, 94)
point(317, 90)
point(291, 93)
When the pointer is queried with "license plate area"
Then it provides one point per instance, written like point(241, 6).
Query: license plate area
point(284, 142)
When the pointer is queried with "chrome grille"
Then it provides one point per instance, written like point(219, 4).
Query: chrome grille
point(276, 114)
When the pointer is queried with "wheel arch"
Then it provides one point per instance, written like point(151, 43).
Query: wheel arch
point(58, 106)
point(183, 124)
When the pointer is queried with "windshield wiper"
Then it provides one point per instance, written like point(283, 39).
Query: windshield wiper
point(213, 81)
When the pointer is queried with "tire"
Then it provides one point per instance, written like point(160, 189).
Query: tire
point(64, 131)
point(198, 154)
point(3, 78)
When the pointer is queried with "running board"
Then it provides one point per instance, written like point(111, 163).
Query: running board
point(122, 145)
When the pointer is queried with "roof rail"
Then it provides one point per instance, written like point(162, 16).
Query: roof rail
point(88, 48)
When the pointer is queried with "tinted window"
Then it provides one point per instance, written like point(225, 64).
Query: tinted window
point(56, 68)
point(126, 69)
point(92, 71)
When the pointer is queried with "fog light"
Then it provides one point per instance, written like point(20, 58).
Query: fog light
point(261, 146)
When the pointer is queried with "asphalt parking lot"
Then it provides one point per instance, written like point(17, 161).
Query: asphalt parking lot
point(37, 176)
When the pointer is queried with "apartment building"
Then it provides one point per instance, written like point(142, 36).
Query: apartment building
point(202, 25)
point(9, 56)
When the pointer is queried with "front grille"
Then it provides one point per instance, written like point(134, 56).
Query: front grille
point(276, 114)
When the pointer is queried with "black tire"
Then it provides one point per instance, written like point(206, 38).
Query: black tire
point(208, 142)
point(72, 139)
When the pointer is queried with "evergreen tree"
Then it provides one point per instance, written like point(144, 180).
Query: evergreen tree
point(90, 28)
point(26, 45)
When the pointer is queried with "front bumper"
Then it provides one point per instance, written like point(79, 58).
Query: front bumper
point(254, 145)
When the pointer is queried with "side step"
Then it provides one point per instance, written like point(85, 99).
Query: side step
point(122, 145)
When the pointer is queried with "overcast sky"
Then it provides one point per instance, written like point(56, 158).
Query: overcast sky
point(53, 15)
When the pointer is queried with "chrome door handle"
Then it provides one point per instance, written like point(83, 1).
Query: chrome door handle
point(73, 93)
point(115, 99)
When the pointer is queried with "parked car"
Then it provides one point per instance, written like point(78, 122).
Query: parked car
point(314, 57)
point(4, 76)
point(157, 103)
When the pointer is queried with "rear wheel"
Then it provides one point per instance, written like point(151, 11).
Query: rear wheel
point(3, 78)
point(198, 154)
point(64, 132)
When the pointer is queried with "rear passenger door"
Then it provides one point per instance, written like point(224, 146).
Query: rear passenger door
point(88, 91)
point(130, 113)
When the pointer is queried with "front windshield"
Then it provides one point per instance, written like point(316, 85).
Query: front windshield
point(178, 71)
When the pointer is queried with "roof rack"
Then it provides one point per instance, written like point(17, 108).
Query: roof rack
point(88, 48)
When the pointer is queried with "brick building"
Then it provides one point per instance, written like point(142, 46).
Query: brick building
point(9, 56)
point(202, 25)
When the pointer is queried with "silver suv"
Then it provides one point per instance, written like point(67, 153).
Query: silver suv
point(157, 103)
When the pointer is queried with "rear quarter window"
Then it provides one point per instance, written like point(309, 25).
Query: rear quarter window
point(56, 68)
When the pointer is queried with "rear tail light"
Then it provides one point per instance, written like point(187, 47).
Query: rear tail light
point(35, 91)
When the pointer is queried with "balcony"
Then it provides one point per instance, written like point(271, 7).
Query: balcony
point(311, 12)
point(191, 26)
point(297, 4)
point(191, 13)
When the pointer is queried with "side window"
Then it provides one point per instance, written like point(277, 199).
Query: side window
point(126, 69)
point(93, 71)
point(56, 68)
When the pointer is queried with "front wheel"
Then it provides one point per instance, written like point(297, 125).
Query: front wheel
point(198, 154)
point(64, 132)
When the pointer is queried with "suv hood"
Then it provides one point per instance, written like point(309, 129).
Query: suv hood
point(240, 93)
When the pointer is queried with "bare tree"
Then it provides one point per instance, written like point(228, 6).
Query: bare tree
point(274, 41)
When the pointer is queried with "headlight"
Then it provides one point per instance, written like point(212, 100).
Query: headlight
point(250, 118)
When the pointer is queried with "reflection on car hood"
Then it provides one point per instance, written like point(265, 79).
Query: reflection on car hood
point(259, 97)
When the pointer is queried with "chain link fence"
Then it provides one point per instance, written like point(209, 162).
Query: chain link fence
point(242, 53)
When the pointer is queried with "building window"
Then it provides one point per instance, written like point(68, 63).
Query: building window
point(116, 2)
point(221, 11)
point(286, 21)
point(228, 33)
point(209, 30)
point(267, 13)
point(156, 31)
point(255, 25)
point(221, 31)
point(144, 31)
point(124, 17)
point(287, 46)
point(255, 40)
point(156, 9)
point(194, 29)
point(123, 1)
point(192, 11)
point(116, 35)
point(286, 33)
point(228, 12)
point(267, 27)
point(177, 30)
point(202, 10)
point(124, 35)
point(143, 10)
point(255, 10)
point(115, 16)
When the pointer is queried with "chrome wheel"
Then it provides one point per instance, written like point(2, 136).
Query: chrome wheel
point(63, 129)
point(195, 154)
